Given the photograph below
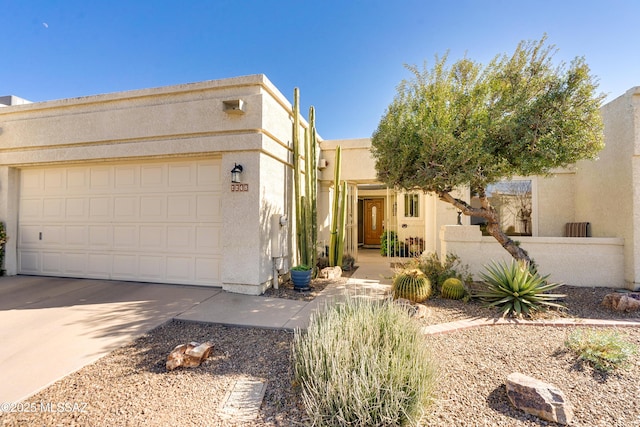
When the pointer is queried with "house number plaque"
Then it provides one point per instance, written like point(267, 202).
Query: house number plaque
point(239, 187)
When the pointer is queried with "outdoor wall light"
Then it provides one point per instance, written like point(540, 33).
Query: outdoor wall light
point(235, 173)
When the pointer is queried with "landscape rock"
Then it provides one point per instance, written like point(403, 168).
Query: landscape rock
point(331, 273)
point(539, 398)
point(188, 355)
point(417, 311)
point(622, 302)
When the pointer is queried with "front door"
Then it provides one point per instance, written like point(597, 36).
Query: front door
point(373, 220)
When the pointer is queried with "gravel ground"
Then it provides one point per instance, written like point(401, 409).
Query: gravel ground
point(131, 387)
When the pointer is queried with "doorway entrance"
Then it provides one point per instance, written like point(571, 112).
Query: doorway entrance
point(373, 221)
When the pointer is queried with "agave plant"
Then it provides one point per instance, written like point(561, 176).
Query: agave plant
point(516, 289)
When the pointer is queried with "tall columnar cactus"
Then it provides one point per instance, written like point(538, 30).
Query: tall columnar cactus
point(339, 214)
point(306, 205)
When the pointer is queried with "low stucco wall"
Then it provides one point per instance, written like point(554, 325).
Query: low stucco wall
point(575, 261)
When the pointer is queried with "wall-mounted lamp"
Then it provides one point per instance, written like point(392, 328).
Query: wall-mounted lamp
point(235, 173)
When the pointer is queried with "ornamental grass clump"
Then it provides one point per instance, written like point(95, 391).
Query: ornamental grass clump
point(517, 290)
point(604, 350)
point(363, 363)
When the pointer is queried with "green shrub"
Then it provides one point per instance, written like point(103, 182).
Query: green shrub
point(363, 363)
point(438, 271)
point(516, 289)
point(604, 350)
point(453, 288)
point(411, 284)
point(391, 245)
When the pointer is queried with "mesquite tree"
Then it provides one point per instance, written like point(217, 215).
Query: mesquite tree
point(469, 125)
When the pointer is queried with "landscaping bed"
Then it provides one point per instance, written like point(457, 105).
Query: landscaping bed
point(131, 386)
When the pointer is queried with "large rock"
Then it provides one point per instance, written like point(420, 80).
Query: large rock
point(539, 398)
point(622, 302)
point(188, 355)
point(331, 273)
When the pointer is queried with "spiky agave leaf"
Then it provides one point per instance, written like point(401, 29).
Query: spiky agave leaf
point(516, 289)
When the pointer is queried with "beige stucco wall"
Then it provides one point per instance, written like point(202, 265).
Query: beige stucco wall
point(175, 121)
point(607, 189)
point(554, 203)
point(574, 261)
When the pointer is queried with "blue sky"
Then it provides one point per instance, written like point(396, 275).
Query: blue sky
point(345, 56)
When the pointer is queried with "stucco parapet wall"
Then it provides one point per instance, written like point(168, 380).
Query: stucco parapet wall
point(184, 118)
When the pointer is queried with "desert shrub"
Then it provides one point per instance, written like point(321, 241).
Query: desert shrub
point(516, 289)
point(411, 284)
point(363, 363)
point(440, 270)
point(604, 350)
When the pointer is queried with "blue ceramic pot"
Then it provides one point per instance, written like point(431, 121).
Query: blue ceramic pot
point(301, 279)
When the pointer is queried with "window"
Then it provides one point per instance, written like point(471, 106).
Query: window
point(513, 202)
point(411, 205)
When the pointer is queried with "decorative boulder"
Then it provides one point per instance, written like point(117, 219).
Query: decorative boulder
point(188, 355)
point(622, 301)
point(539, 398)
point(331, 273)
point(415, 310)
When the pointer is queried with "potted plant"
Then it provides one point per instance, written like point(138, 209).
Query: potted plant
point(301, 277)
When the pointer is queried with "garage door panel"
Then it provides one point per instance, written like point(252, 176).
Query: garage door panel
point(153, 208)
point(125, 267)
point(125, 237)
point(181, 208)
point(180, 268)
point(209, 207)
point(29, 235)
point(157, 221)
point(152, 237)
point(74, 264)
point(76, 209)
point(207, 270)
point(52, 262)
point(100, 178)
point(151, 267)
point(181, 238)
point(55, 180)
point(208, 239)
point(126, 177)
point(75, 235)
point(31, 209)
point(29, 262)
point(100, 236)
point(126, 208)
point(53, 209)
point(99, 208)
point(181, 175)
point(53, 235)
point(98, 265)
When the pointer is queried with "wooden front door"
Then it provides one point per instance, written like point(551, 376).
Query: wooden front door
point(373, 220)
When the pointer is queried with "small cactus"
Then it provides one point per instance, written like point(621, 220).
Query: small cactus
point(413, 285)
point(453, 288)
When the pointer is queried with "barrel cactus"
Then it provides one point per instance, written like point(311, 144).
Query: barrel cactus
point(453, 288)
point(411, 284)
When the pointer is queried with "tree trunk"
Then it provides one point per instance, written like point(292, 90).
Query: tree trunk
point(487, 212)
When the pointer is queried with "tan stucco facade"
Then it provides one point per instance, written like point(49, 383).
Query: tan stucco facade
point(200, 120)
point(246, 121)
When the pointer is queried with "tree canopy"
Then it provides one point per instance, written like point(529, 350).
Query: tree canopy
point(470, 125)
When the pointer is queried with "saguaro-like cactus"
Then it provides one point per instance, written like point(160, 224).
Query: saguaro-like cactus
point(339, 214)
point(306, 205)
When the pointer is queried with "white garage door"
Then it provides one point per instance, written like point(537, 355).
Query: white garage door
point(144, 221)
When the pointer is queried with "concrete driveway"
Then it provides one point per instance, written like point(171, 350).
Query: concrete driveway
point(51, 327)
